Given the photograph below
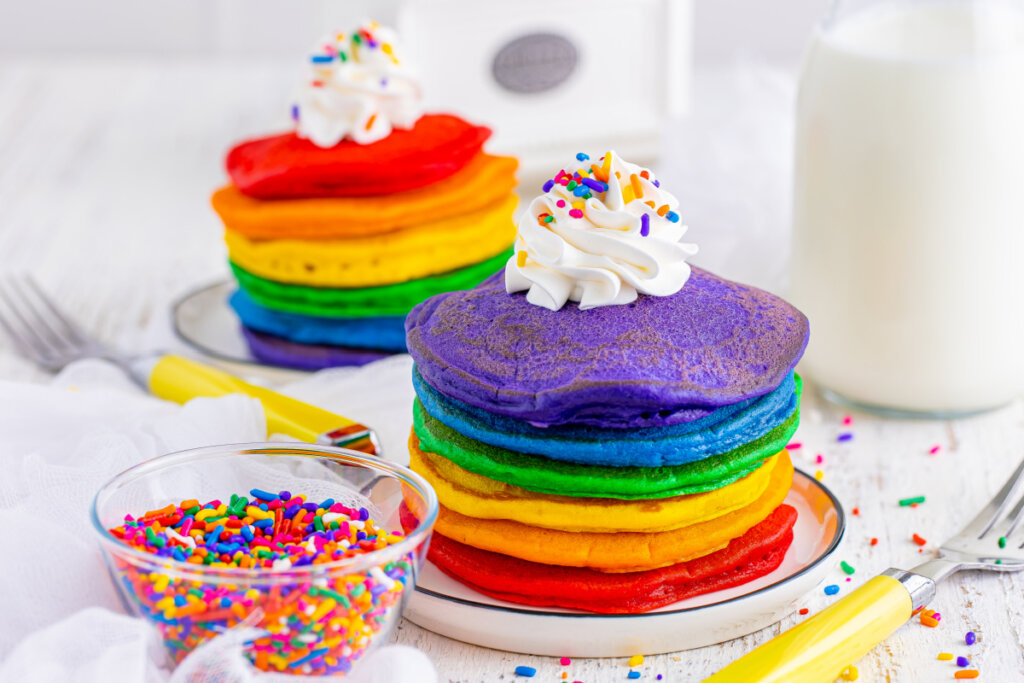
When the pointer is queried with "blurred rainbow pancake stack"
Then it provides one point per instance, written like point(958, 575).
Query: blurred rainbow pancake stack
point(336, 230)
point(613, 440)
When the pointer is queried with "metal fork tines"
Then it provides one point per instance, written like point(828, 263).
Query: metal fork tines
point(995, 537)
point(39, 330)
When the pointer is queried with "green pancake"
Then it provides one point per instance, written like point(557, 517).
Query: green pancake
point(558, 477)
point(386, 300)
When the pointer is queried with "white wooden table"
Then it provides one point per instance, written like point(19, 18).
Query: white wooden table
point(105, 174)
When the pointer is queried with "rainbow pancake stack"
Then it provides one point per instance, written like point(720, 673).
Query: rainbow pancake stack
point(336, 230)
point(613, 440)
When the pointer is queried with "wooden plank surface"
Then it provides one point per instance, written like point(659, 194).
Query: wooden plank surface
point(105, 174)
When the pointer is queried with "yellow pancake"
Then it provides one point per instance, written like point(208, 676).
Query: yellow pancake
point(369, 261)
point(484, 182)
point(476, 496)
point(620, 551)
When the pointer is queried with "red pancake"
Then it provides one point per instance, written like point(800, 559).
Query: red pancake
point(288, 167)
point(756, 553)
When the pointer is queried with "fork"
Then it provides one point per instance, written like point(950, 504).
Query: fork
point(820, 648)
point(41, 332)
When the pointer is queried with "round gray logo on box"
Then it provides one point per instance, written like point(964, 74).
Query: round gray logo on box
point(535, 62)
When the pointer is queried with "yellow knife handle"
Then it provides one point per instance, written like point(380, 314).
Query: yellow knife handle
point(179, 379)
point(819, 649)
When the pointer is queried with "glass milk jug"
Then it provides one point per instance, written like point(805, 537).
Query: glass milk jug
point(908, 211)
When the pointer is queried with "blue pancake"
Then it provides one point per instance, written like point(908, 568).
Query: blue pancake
point(657, 361)
point(376, 333)
point(718, 432)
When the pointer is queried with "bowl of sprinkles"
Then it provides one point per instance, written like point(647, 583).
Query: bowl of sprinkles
point(315, 548)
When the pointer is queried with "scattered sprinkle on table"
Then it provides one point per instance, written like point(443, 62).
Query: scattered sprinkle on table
point(846, 436)
point(850, 673)
point(966, 673)
point(633, 674)
point(819, 458)
point(819, 475)
point(945, 656)
point(918, 540)
point(934, 449)
point(659, 677)
point(1002, 541)
point(337, 615)
point(970, 638)
point(565, 661)
point(796, 445)
point(831, 589)
point(804, 610)
point(928, 618)
point(636, 660)
point(874, 541)
point(855, 511)
point(847, 420)
point(962, 661)
point(527, 671)
point(846, 567)
point(904, 502)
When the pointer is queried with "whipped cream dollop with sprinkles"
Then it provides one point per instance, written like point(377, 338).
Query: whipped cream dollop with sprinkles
point(603, 232)
point(359, 88)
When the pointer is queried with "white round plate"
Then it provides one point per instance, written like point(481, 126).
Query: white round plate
point(203, 320)
point(447, 607)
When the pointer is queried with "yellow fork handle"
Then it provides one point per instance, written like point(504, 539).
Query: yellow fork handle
point(179, 379)
point(819, 649)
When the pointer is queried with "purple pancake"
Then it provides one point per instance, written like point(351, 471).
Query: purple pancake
point(658, 361)
point(277, 351)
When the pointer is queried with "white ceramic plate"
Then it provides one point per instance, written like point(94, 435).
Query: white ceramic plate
point(447, 607)
point(203, 320)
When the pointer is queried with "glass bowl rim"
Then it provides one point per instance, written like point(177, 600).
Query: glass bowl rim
point(200, 572)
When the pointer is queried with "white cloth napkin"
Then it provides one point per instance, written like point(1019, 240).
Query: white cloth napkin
point(62, 620)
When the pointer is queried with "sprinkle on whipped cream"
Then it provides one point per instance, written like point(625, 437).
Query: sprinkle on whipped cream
point(603, 232)
point(358, 89)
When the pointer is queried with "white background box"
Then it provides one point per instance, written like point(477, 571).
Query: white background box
point(626, 68)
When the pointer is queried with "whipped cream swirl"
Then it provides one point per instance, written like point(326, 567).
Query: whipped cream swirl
point(358, 89)
point(603, 231)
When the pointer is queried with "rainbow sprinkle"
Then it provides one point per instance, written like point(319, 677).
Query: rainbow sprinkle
point(916, 500)
point(316, 621)
point(592, 181)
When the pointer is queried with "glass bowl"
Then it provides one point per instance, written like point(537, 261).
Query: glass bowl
point(315, 619)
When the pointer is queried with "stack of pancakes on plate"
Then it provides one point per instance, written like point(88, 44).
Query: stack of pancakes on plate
point(611, 459)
